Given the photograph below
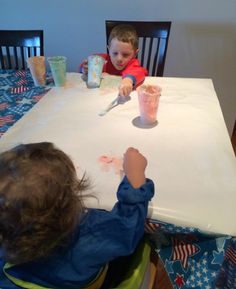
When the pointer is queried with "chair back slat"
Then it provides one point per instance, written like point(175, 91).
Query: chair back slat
point(8, 56)
point(154, 66)
point(2, 59)
point(16, 57)
point(149, 52)
point(27, 42)
point(28, 52)
point(142, 51)
point(153, 43)
point(162, 56)
point(22, 57)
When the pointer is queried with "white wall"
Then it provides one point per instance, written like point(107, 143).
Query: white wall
point(202, 42)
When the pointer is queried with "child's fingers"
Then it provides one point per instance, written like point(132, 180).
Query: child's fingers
point(85, 66)
point(132, 149)
point(121, 91)
point(85, 62)
point(124, 90)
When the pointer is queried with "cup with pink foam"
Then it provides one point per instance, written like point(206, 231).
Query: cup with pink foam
point(148, 97)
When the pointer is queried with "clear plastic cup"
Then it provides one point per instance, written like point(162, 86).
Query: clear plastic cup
point(58, 69)
point(95, 67)
point(37, 68)
point(148, 96)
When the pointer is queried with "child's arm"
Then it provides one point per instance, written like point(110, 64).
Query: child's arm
point(115, 233)
point(133, 75)
point(134, 166)
point(125, 87)
point(83, 68)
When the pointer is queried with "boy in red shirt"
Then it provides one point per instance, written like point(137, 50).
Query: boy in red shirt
point(121, 60)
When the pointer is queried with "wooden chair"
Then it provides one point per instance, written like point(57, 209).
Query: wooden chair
point(153, 43)
point(17, 45)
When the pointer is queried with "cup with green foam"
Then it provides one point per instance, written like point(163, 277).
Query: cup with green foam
point(58, 69)
point(95, 67)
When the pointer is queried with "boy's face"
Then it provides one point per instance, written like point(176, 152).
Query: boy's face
point(121, 53)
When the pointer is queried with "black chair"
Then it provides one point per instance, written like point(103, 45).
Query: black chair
point(153, 43)
point(17, 45)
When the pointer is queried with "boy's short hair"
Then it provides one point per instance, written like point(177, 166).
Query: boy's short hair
point(40, 201)
point(125, 33)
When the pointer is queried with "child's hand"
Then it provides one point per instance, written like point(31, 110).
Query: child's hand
point(126, 87)
point(85, 66)
point(134, 166)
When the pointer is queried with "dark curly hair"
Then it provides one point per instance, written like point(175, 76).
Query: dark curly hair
point(40, 201)
point(124, 33)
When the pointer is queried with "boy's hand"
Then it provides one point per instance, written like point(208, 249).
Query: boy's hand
point(85, 66)
point(126, 87)
point(134, 166)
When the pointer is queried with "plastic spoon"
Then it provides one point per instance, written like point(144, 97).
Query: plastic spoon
point(114, 103)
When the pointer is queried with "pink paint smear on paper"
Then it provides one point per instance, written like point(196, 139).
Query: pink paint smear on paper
point(108, 163)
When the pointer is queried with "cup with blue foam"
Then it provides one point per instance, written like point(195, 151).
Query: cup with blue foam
point(95, 67)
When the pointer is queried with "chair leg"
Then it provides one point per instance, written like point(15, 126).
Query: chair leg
point(153, 268)
point(153, 274)
point(161, 278)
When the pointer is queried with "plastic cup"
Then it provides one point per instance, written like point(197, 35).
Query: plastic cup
point(58, 69)
point(95, 66)
point(148, 96)
point(37, 68)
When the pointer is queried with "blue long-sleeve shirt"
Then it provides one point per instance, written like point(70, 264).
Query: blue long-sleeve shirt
point(101, 237)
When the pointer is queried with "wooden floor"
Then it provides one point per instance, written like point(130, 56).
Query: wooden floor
point(163, 281)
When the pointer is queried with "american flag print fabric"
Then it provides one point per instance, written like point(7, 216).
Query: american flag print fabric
point(151, 227)
point(19, 89)
point(193, 259)
point(226, 278)
point(182, 251)
point(18, 94)
point(230, 255)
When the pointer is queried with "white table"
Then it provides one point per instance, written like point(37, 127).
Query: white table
point(190, 157)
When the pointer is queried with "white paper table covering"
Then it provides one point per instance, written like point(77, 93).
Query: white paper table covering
point(190, 157)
